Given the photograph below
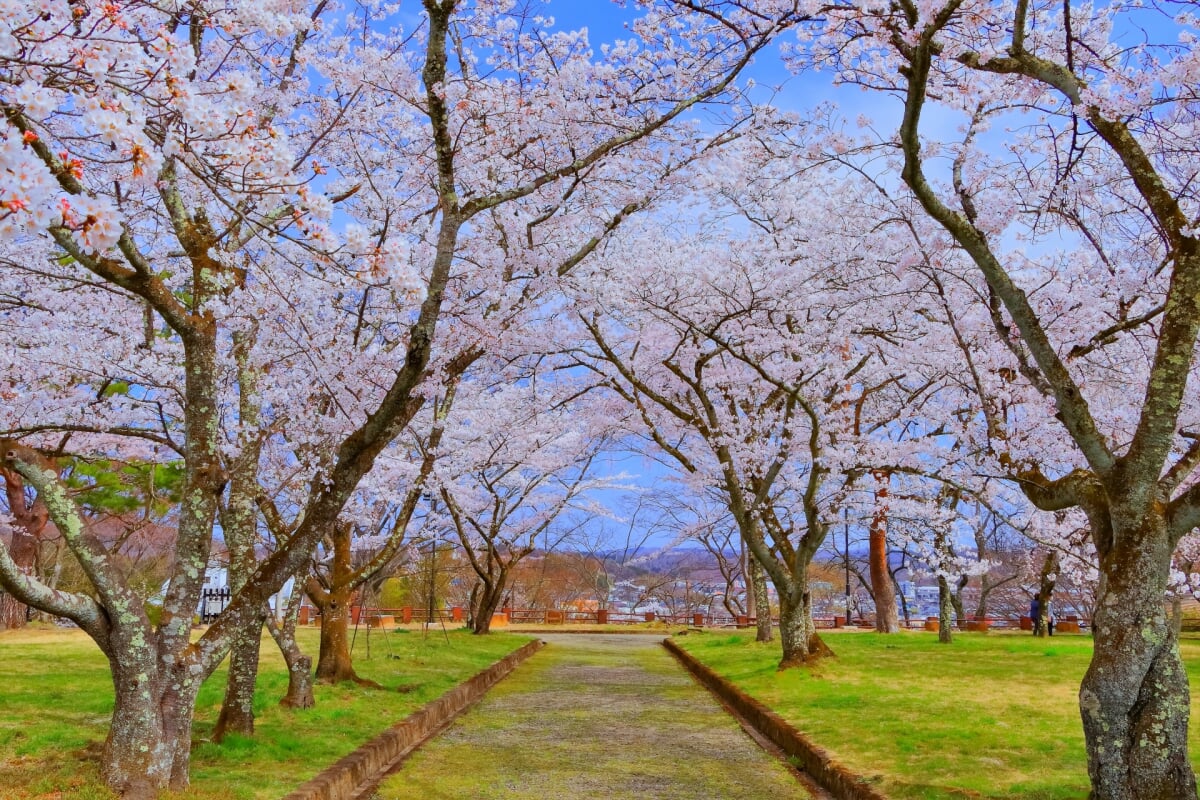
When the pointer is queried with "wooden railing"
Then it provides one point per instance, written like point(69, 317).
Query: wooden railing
point(387, 617)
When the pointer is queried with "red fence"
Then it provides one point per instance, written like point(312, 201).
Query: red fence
point(530, 616)
point(700, 620)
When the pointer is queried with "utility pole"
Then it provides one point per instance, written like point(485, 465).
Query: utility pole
point(846, 538)
point(431, 582)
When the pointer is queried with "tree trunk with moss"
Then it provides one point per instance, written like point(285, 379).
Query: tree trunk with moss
point(945, 611)
point(764, 630)
point(1135, 695)
point(149, 741)
point(789, 574)
point(1045, 593)
point(299, 666)
point(797, 632)
point(144, 752)
point(239, 523)
point(1135, 482)
point(237, 709)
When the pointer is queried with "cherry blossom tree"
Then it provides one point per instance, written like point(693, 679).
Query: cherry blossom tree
point(705, 519)
point(761, 357)
point(337, 575)
point(612, 544)
point(516, 478)
point(179, 167)
point(1082, 226)
point(734, 387)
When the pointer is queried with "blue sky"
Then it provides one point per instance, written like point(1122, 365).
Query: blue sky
point(606, 21)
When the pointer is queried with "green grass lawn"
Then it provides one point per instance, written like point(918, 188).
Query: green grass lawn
point(990, 716)
point(56, 698)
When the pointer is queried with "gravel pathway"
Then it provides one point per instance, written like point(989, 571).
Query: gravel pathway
point(594, 717)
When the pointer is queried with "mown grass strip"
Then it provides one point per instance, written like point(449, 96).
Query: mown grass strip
point(815, 763)
point(56, 698)
point(990, 716)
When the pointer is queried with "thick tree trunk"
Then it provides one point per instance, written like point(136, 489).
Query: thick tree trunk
point(1041, 625)
point(882, 589)
point(956, 599)
point(300, 680)
point(149, 742)
point(1134, 699)
point(798, 634)
point(762, 601)
point(237, 710)
point(945, 611)
point(484, 602)
point(138, 759)
point(334, 664)
point(12, 612)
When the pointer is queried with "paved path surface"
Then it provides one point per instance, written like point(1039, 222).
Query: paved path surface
point(594, 717)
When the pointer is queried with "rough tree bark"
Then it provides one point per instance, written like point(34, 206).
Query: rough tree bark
point(764, 630)
point(486, 596)
point(797, 632)
point(239, 524)
point(945, 611)
point(1045, 592)
point(882, 588)
point(31, 520)
point(334, 662)
point(1134, 699)
point(150, 735)
point(1135, 694)
point(13, 612)
point(299, 666)
point(237, 709)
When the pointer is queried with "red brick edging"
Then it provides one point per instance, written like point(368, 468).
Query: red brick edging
point(349, 776)
point(832, 776)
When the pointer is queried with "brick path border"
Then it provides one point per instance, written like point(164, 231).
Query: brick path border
point(358, 773)
point(814, 760)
